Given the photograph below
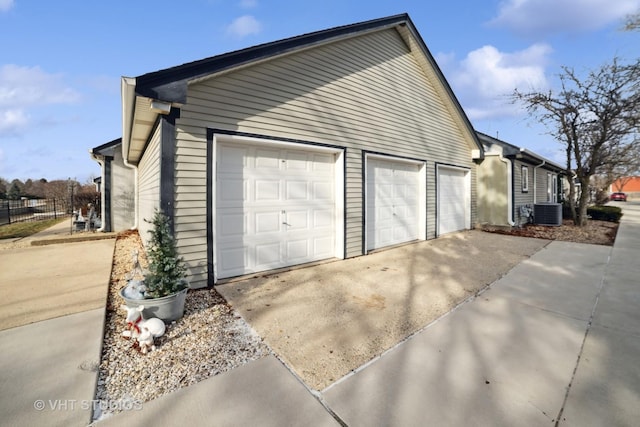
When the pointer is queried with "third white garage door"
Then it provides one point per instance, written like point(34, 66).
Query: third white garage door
point(454, 211)
point(394, 202)
point(275, 207)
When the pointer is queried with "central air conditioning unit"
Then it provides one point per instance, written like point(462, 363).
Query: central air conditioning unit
point(547, 214)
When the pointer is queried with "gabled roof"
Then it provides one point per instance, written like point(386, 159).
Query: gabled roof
point(106, 149)
point(146, 96)
point(511, 151)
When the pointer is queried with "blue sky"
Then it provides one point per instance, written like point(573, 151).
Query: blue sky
point(61, 61)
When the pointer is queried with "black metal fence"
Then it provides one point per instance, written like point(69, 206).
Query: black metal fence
point(31, 210)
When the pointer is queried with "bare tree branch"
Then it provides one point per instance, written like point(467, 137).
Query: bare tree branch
point(596, 118)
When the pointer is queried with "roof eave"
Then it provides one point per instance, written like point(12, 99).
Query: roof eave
point(128, 93)
point(530, 155)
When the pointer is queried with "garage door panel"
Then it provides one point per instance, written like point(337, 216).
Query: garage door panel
point(322, 191)
point(264, 160)
point(231, 158)
point(392, 202)
point(234, 191)
point(266, 222)
point(297, 161)
point(452, 200)
point(233, 259)
point(323, 164)
point(267, 190)
point(323, 247)
point(297, 249)
point(267, 254)
point(297, 220)
point(233, 225)
point(297, 190)
point(280, 207)
point(322, 218)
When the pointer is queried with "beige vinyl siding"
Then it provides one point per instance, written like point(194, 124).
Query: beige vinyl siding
point(493, 192)
point(190, 212)
point(149, 184)
point(364, 93)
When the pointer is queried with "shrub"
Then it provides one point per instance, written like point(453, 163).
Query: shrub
point(166, 269)
point(605, 213)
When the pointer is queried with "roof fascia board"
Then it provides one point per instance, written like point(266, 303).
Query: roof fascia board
point(285, 53)
point(106, 145)
point(527, 154)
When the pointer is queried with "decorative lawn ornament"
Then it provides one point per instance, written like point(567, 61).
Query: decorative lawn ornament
point(142, 330)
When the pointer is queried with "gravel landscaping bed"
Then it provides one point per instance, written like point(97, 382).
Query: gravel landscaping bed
point(594, 232)
point(210, 339)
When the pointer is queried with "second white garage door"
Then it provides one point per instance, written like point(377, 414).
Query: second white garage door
point(275, 207)
point(454, 196)
point(394, 194)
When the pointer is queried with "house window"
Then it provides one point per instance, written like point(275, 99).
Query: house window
point(525, 179)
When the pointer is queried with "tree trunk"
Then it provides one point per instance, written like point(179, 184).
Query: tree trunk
point(583, 202)
point(572, 198)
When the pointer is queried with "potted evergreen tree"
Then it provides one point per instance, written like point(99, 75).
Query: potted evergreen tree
point(165, 287)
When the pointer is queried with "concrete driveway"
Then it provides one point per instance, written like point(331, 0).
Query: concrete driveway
point(44, 282)
point(324, 321)
point(51, 326)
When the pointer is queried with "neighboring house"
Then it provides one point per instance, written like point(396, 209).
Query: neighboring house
point(629, 185)
point(511, 180)
point(115, 185)
point(326, 145)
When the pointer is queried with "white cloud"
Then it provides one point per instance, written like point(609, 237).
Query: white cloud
point(12, 122)
point(30, 86)
point(248, 4)
point(244, 26)
point(541, 17)
point(5, 5)
point(484, 80)
point(23, 89)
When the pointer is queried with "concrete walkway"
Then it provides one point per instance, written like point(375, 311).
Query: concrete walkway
point(52, 315)
point(555, 341)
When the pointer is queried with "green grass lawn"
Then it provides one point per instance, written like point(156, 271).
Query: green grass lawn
point(24, 229)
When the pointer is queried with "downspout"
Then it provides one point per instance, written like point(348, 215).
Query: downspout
point(509, 189)
point(127, 88)
point(135, 191)
point(100, 160)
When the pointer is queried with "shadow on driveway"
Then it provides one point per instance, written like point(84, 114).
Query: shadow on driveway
point(327, 320)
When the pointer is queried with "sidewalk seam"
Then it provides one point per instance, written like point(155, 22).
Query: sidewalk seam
point(584, 340)
point(316, 394)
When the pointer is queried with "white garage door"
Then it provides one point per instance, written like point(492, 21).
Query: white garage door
point(275, 207)
point(392, 202)
point(453, 200)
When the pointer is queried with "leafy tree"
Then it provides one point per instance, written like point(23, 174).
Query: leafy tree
point(595, 118)
point(15, 192)
point(4, 187)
